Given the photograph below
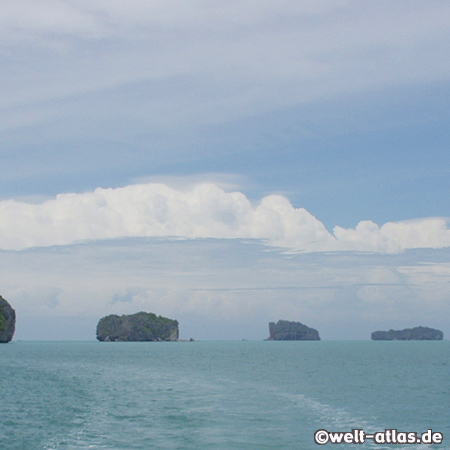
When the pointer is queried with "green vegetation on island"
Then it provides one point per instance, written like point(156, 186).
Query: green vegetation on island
point(409, 334)
point(7, 321)
point(141, 326)
point(285, 330)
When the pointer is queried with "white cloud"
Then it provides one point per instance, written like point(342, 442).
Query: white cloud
point(203, 211)
point(394, 237)
point(425, 233)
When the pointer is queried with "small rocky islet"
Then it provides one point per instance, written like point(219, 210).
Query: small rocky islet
point(138, 327)
point(285, 330)
point(409, 334)
point(7, 321)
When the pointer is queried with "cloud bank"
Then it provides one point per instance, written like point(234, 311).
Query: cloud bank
point(222, 289)
point(203, 211)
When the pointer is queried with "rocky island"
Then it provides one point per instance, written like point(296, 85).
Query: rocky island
point(409, 334)
point(285, 330)
point(141, 326)
point(7, 321)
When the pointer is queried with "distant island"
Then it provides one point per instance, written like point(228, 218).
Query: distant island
point(141, 326)
point(285, 330)
point(7, 321)
point(409, 334)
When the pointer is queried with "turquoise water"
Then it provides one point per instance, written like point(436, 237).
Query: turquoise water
point(218, 395)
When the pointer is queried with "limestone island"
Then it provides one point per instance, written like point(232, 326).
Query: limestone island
point(7, 321)
point(409, 334)
point(141, 326)
point(285, 330)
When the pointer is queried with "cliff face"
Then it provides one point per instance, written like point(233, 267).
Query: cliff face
point(409, 334)
point(7, 321)
point(137, 327)
point(284, 330)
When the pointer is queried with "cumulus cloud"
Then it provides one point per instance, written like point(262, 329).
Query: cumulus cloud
point(394, 237)
point(203, 211)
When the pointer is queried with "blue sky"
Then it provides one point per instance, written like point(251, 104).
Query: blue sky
point(306, 139)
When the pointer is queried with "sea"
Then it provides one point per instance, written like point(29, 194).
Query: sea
point(236, 395)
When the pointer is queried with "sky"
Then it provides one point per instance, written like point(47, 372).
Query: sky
point(225, 164)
